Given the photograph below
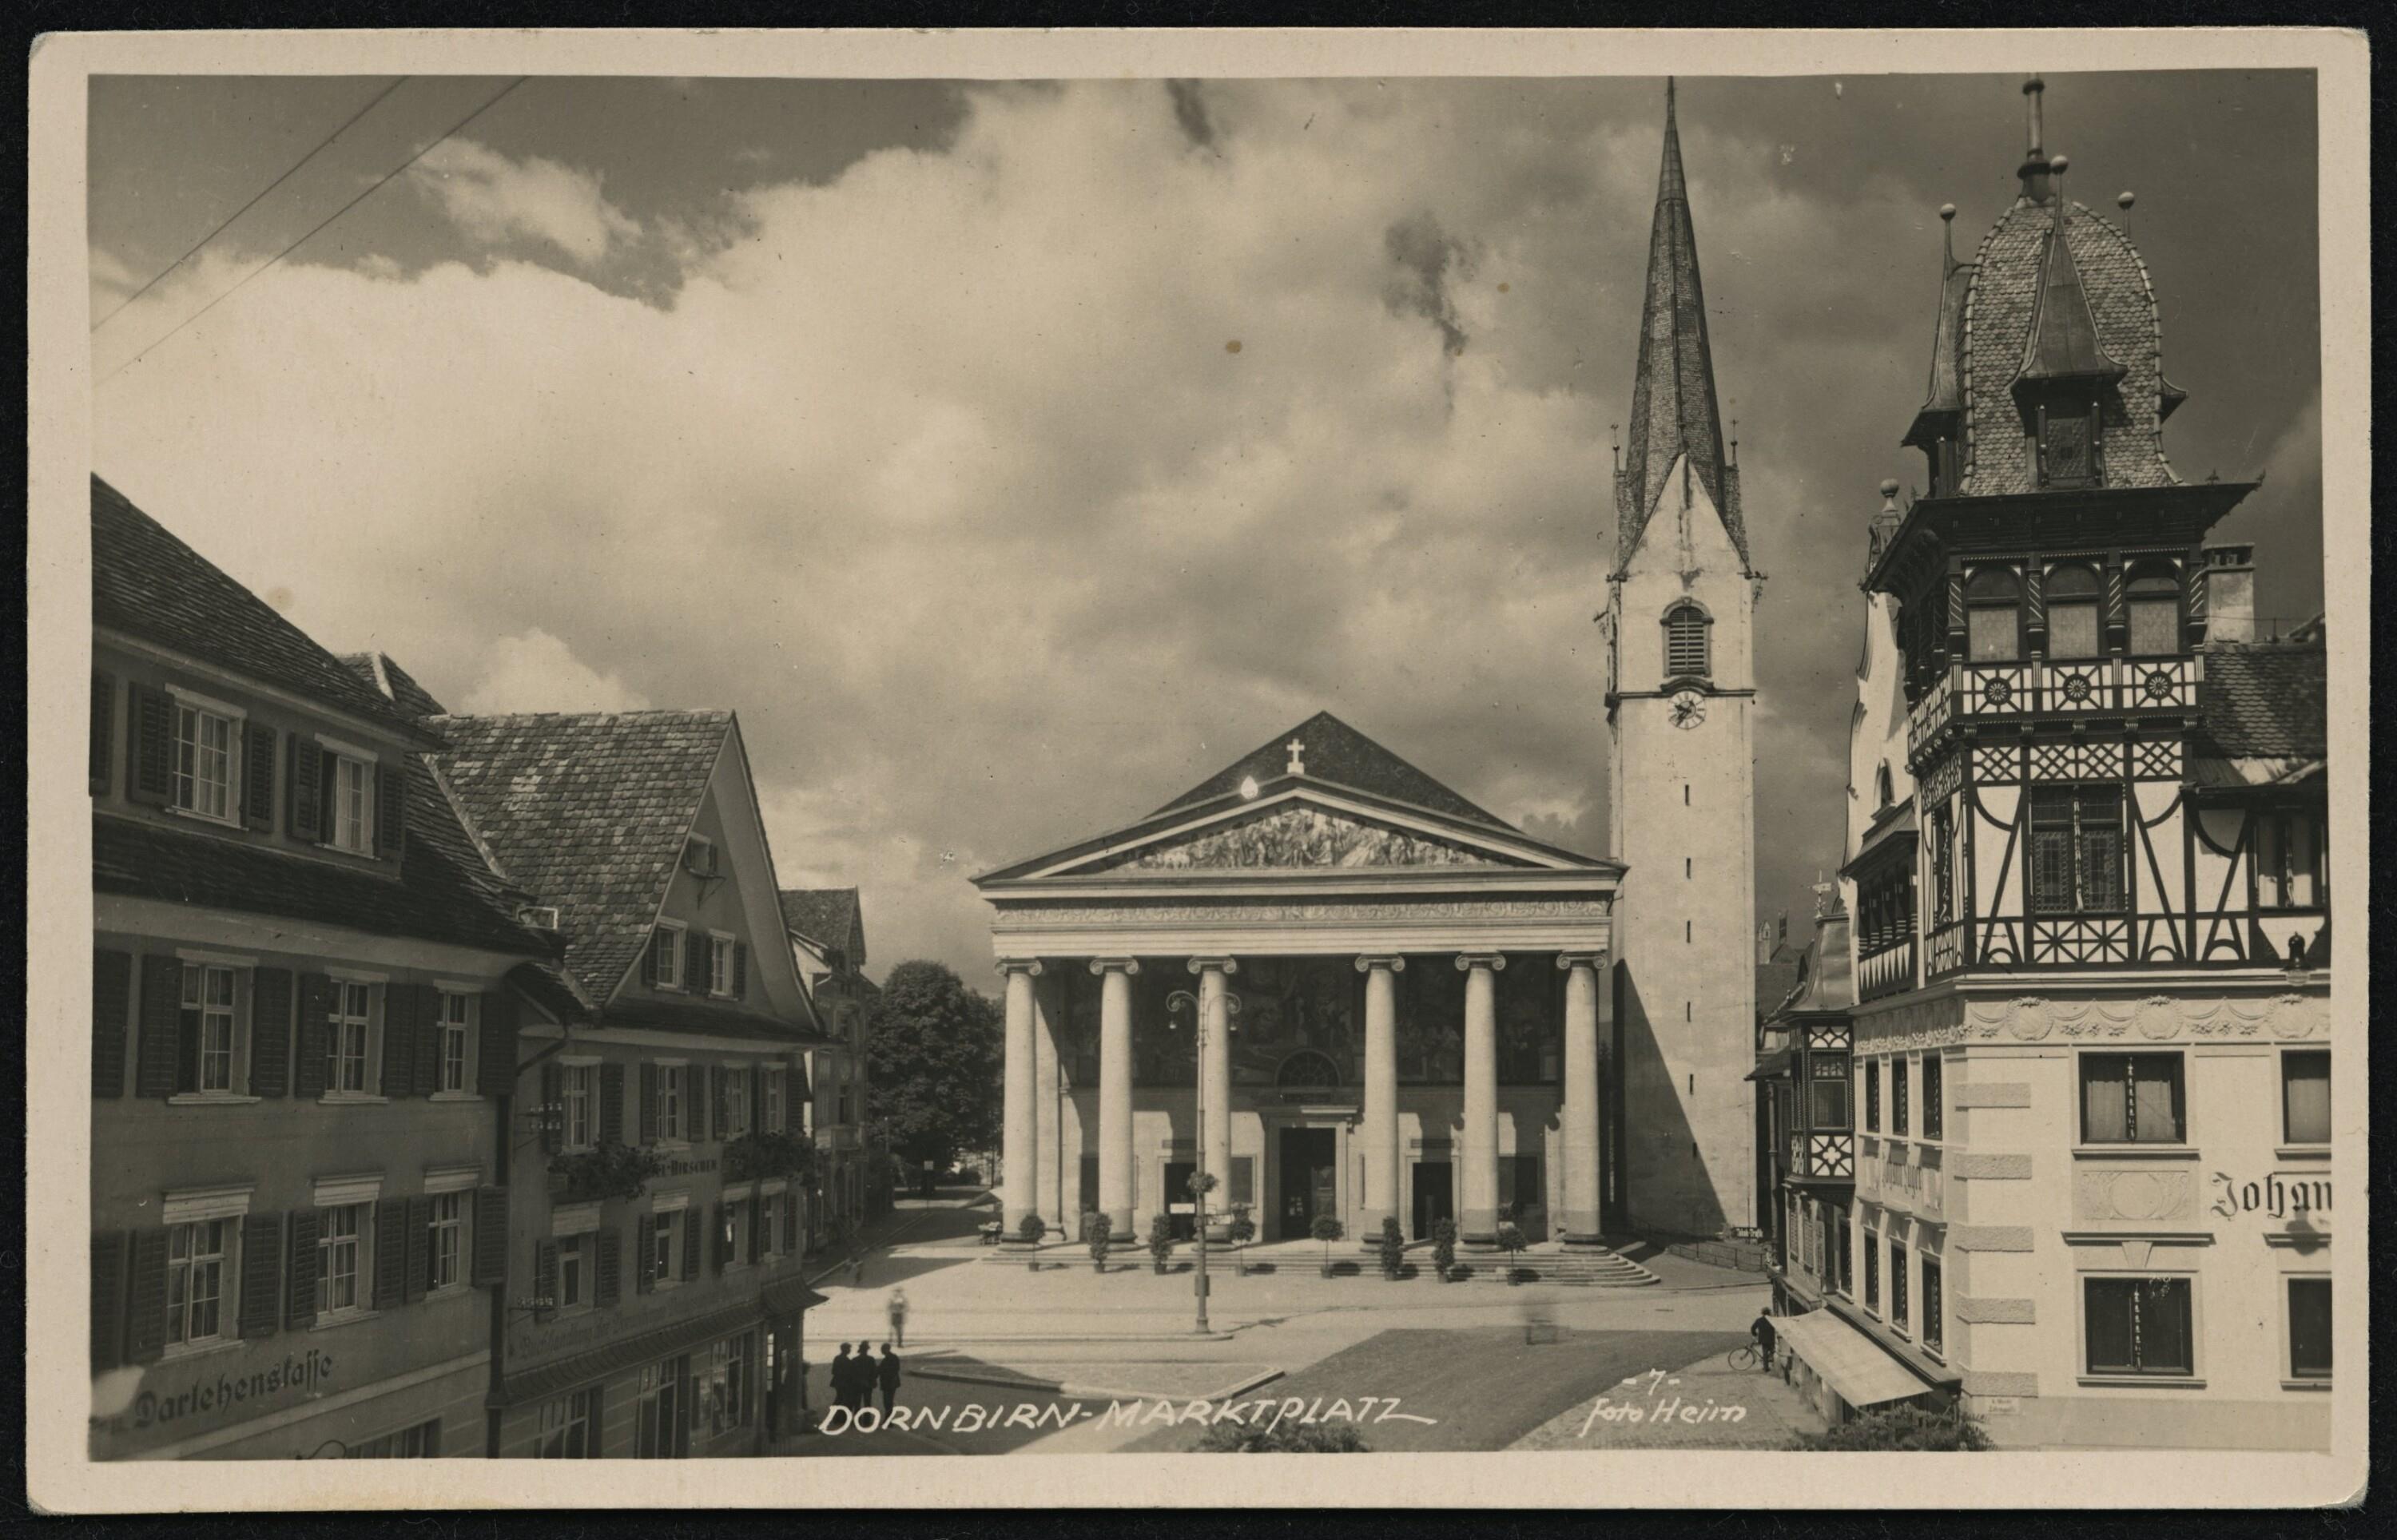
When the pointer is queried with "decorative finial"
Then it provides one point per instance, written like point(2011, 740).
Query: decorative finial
point(1946, 212)
point(2059, 164)
point(2032, 93)
point(2125, 200)
point(1248, 787)
point(1889, 495)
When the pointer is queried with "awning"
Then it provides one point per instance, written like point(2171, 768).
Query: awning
point(1855, 1366)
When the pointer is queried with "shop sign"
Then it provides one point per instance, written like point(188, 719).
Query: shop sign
point(177, 1394)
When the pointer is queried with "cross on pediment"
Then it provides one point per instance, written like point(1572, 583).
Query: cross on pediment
point(1298, 766)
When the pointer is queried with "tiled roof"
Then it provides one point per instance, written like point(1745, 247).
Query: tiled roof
point(589, 813)
point(443, 892)
point(1776, 982)
point(823, 915)
point(702, 1016)
point(1335, 752)
point(146, 583)
point(1946, 392)
point(393, 683)
point(2265, 701)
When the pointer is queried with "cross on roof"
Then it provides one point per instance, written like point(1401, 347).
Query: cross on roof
point(1297, 766)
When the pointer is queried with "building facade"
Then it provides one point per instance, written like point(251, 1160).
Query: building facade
point(826, 928)
point(306, 986)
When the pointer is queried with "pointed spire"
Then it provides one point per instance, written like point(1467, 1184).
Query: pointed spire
point(2063, 342)
point(1944, 397)
point(1673, 409)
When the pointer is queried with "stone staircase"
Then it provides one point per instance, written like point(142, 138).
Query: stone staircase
point(1579, 1266)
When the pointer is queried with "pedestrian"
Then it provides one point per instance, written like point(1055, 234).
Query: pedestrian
point(856, 1267)
point(1761, 1330)
point(898, 1309)
point(839, 1371)
point(886, 1372)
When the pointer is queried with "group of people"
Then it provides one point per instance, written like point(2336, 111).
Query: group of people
point(856, 1378)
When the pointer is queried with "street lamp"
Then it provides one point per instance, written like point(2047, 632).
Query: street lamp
point(1179, 1000)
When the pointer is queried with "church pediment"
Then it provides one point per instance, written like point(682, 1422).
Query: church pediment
point(1295, 836)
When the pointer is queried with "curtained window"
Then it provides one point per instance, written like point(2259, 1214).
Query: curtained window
point(1826, 1086)
point(2131, 1099)
point(2305, 1097)
point(2139, 1326)
point(2076, 849)
point(1993, 616)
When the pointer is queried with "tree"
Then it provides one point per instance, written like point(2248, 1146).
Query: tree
point(1443, 1249)
point(1160, 1238)
point(1394, 1247)
point(935, 1055)
point(1510, 1239)
point(1101, 1231)
point(1327, 1229)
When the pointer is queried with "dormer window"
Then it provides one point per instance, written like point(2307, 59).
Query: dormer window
point(1686, 643)
point(2154, 599)
point(2067, 443)
point(204, 762)
point(2072, 595)
point(353, 785)
point(1993, 616)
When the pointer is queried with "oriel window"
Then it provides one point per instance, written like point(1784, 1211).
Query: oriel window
point(1993, 616)
point(2072, 594)
point(2153, 596)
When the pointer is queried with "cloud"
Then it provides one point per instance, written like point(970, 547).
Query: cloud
point(1190, 112)
point(536, 672)
point(1422, 253)
point(496, 200)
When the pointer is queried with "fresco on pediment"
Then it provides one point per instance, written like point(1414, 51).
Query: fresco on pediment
point(1299, 837)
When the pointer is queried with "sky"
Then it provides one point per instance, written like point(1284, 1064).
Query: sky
point(1011, 457)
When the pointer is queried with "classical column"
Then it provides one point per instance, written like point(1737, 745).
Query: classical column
point(1380, 1131)
point(1580, 1112)
point(1216, 1082)
point(1019, 1129)
point(1479, 1223)
point(1047, 1136)
point(1115, 1092)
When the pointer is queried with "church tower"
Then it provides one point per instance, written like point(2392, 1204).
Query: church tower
point(1680, 701)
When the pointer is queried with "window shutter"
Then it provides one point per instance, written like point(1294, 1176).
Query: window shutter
point(308, 1045)
point(694, 962)
point(495, 1067)
point(107, 1300)
point(111, 1001)
point(261, 1274)
point(428, 1039)
point(756, 1225)
point(544, 1279)
point(158, 1072)
point(302, 1307)
point(608, 1283)
point(645, 1263)
point(718, 1212)
point(791, 1223)
point(611, 1103)
point(146, 1307)
point(741, 970)
point(757, 1098)
point(391, 809)
point(689, 1246)
point(306, 815)
point(391, 1252)
point(270, 1032)
point(716, 1077)
point(650, 962)
point(104, 731)
point(258, 776)
point(553, 1093)
point(649, 1103)
point(414, 1281)
point(399, 1027)
point(490, 1236)
point(150, 747)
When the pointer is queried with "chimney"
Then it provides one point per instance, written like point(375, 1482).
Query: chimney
point(2230, 593)
point(2035, 166)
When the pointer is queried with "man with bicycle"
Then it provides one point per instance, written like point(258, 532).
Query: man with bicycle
point(1761, 1331)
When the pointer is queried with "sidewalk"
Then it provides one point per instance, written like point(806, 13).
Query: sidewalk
point(1703, 1405)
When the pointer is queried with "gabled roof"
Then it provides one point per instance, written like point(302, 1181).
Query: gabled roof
point(826, 916)
point(148, 584)
point(387, 679)
point(589, 811)
point(1333, 751)
point(2266, 700)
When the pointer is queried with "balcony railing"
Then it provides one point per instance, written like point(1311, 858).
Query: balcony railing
point(1887, 971)
point(2044, 687)
point(1812, 1154)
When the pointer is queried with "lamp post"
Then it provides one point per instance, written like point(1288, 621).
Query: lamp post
point(1182, 999)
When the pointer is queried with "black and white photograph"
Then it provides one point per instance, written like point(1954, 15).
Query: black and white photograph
point(814, 748)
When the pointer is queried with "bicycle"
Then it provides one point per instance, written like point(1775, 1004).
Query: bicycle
point(1747, 1358)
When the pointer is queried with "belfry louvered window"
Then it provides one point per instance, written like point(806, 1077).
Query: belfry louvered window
point(1686, 643)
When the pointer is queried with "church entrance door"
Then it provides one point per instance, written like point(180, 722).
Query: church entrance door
point(1435, 1197)
point(1310, 1176)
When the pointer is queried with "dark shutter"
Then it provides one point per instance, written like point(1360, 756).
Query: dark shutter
point(495, 1070)
point(544, 1279)
point(107, 1300)
point(162, 1026)
point(607, 1285)
point(611, 1103)
point(309, 1042)
point(715, 1078)
point(270, 1032)
point(399, 1029)
point(104, 731)
point(690, 1245)
point(756, 1226)
point(694, 961)
point(391, 809)
point(757, 1098)
point(300, 1306)
point(261, 1274)
point(649, 1103)
point(111, 1001)
point(645, 1236)
point(149, 746)
point(306, 815)
point(419, 1248)
point(650, 962)
point(258, 776)
point(391, 1252)
point(146, 1306)
point(490, 1236)
point(429, 1001)
point(553, 1095)
point(720, 1215)
point(741, 970)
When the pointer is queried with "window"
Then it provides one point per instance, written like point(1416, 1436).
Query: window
point(457, 1034)
point(1686, 643)
point(1826, 1086)
point(1897, 1096)
point(2131, 1099)
point(341, 1241)
point(771, 1239)
point(420, 1443)
point(1897, 1316)
point(573, 1277)
point(2072, 595)
point(719, 966)
point(2067, 448)
point(658, 1430)
point(1846, 1281)
point(2288, 860)
point(2076, 849)
point(569, 1427)
point(734, 1237)
point(665, 956)
point(196, 1273)
point(1872, 1094)
point(352, 785)
point(1993, 616)
point(736, 1101)
point(345, 1068)
point(209, 1025)
point(2309, 1328)
point(2305, 1097)
point(1942, 836)
point(2154, 598)
point(720, 1391)
point(1935, 1330)
point(665, 1247)
point(1935, 1097)
point(673, 1079)
point(1872, 1271)
point(2139, 1326)
point(446, 1242)
point(581, 1095)
point(771, 1115)
point(203, 761)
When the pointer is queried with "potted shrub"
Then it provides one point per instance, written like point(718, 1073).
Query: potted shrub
point(605, 1171)
point(1031, 1232)
point(1510, 1241)
point(1394, 1248)
point(1327, 1229)
point(759, 1155)
point(1242, 1230)
point(1100, 1231)
point(1282, 1438)
point(1443, 1250)
point(1160, 1240)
